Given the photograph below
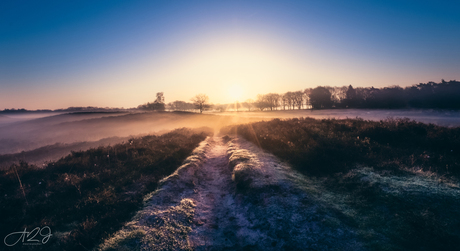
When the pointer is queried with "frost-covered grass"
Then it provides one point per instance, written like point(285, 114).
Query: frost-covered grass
point(394, 183)
point(155, 229)
point(323, 147)
point(202, 207)
point(166, 218)
point(281, 209)
point(404, 211)
point(90, 194)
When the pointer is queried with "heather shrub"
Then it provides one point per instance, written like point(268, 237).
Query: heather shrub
point(88, 195)
point(395, 182)
point(321, 147)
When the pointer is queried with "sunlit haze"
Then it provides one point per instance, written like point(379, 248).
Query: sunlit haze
point(57, 54)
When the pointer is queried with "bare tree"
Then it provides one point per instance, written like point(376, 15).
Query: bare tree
point(220, 107)
point(273, 100)
point(307, 97)
point(261, 102)
point(179, 105)
point(337, 93)
point(237, 105)
point(298, 98)
point(249, 104)
point(201, 102)
point(285, 101)
point(289, 99)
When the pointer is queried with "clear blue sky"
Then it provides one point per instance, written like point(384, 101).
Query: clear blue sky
point(55, 54)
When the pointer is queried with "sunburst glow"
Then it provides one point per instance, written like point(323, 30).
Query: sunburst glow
point(235, 92)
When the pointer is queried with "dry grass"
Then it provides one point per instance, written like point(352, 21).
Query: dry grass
point(395, 182)
point(88, 195)
point(328, 146)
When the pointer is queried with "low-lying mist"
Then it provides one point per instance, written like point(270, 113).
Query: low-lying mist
point(37, 138)
point(20, 117)
point(52, 137)
point(449, 118)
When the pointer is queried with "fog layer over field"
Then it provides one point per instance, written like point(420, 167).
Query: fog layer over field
point(53, 135)
point(109, 128)
point(438, 117)
point(17, 117)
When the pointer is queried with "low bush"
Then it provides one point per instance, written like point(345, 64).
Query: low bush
point(328, 146)
point(88, 195)
point(366, 171)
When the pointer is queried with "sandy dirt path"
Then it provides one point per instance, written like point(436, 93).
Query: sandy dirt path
point(214, 199)
point(230, 195)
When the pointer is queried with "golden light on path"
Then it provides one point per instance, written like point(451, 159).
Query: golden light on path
point(235, 92)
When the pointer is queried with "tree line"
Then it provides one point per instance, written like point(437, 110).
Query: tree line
point(443, 95)
point(199, 102)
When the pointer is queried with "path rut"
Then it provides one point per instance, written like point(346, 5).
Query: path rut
point(231, 195)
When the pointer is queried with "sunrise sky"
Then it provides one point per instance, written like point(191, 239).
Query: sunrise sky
point(56, 54)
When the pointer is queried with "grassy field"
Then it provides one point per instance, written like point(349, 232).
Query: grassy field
point(88, 195)
point(45, 154)
point(328, 146)
point(89, 127)
point(391, 185)
point(395, 181)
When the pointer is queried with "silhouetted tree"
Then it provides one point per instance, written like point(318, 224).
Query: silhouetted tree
point(290, 99)
point(298, 98)
point(179, 105)
point(338, 94)
point(201, 102)
point(159, 103)
point(352, 98)
point(284, 101)
point(320, 97)
point(237, 105)
point(307, 93)
point(220, 108)
point(444, 95)
point(248, 104)
point(272, 100)
point(261, 102)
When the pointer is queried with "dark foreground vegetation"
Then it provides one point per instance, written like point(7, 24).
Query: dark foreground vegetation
point(328, 146)
point(49, 153)
point(394, 181)
point(88, 195)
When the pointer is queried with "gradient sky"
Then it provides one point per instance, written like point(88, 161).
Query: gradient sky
point(56, 54)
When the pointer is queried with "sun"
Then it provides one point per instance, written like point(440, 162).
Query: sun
point(235, 92)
